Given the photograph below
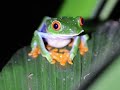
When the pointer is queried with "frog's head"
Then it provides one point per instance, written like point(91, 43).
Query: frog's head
point(65, 26)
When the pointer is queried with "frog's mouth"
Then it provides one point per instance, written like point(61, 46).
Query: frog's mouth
point(63, 36)
point(58, 36)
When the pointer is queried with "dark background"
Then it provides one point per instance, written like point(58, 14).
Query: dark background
point(18, 22)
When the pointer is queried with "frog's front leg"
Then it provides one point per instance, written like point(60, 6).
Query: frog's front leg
point(37, 42)
point(75, 47)
point(81, 43)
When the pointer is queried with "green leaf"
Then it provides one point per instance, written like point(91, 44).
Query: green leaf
point(24, 73)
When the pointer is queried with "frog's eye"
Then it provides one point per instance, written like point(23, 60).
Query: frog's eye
point(56, 25)
point(81, 21)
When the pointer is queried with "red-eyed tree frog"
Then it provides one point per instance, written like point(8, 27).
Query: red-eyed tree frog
point(58, 33)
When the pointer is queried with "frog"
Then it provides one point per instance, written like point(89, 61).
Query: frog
point(58, 33)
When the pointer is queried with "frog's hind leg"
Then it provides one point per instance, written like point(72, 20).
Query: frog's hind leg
point(83, 48)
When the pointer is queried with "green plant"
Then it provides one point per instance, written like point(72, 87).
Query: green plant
point(25, 73)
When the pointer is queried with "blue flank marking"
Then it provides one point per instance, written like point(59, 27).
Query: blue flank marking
point(42, 28)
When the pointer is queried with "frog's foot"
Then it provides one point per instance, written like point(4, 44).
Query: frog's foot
point(35, 52)
point(62, 56)
point(65, 57)
point(82, 48)
point(54, 55)
point(63, 62)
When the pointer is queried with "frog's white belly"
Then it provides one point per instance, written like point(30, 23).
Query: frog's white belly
point(58, 43)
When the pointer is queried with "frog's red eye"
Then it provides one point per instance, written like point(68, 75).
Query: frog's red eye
point(56, 25)
point(81, 21)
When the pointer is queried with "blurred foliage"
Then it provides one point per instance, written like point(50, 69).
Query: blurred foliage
point(110, 78)
point(75, 8)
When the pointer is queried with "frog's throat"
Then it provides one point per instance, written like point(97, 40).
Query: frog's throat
point(58, 43)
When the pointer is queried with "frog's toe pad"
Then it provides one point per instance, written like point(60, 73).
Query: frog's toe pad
point(63, 64)
point(33, 55)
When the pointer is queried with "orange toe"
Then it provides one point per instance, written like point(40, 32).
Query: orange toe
point(70, 62)
point(35, 52)
point(63, 62)
point(82, 48)
point(62, 56)
point(55, 56)
point(54, 50)
point(53, 62)
point(63, 50)
point(82, 53)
